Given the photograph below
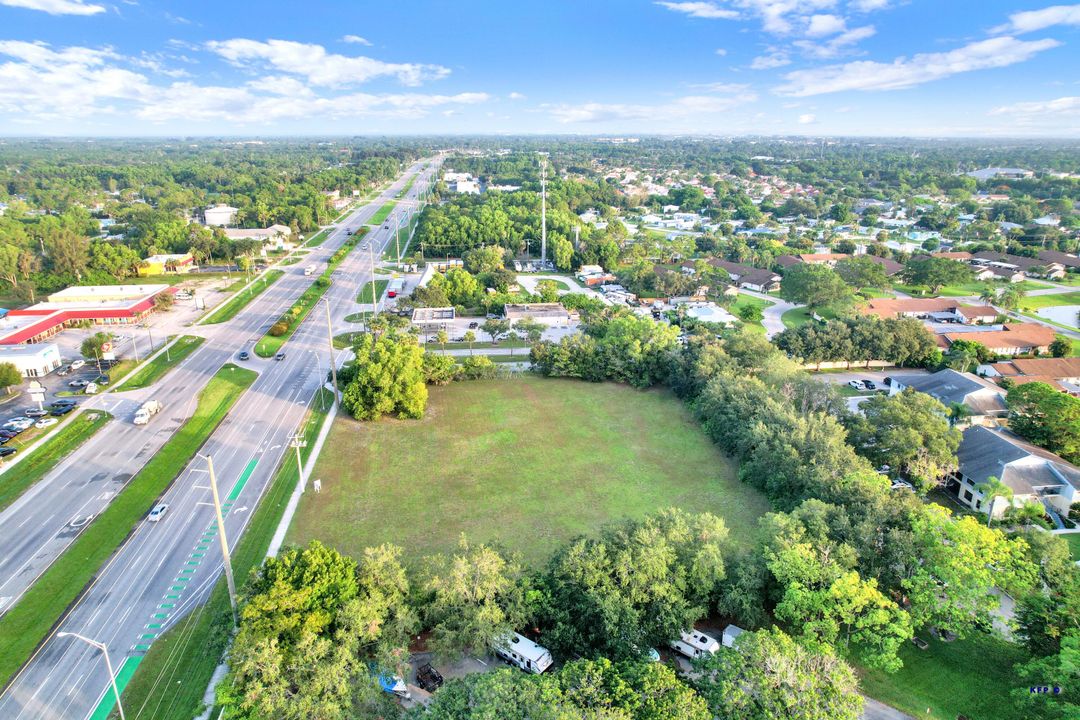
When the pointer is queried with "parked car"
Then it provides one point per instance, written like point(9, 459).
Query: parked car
point(36, 413)
point(45, 422)
point(857, 384)
point(76, 364)
point(78, 383)
point(157, 512)
point(280, 356)
point(869, 385)
point(63, 402)
point(63, 372)
point(474, 325)
point(62, 410)
point(5, 451)
point(243, 355)
point(6, 435)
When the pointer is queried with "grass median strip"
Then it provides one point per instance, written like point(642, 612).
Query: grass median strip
point(317, 239)
point(382, 213)
point(364, 296)
point(44, 456)
point(228, 310)
point(30, 619)
point(154, 370)
point(173, 675)
point(293, 318)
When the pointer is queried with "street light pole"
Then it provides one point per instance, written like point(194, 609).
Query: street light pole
point(374, 300)
point(221, 535)
point(297, 441)
point(330, 346)
point(108, 665)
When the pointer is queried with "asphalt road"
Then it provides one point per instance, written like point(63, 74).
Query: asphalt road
point(166, 569)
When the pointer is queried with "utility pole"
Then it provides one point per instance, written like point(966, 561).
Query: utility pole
point(330, 345)
point(543, 211)
point(297, 441)
point(374, 300)
point(108, 665)
point(221, 536)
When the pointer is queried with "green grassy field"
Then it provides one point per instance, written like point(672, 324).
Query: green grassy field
point(154, 370)
point(172, 678)
point(364, 294)
point(44, 456)
point(801, 315)
point(747, 301)
point(407, 188)
point(229, 309)
point(527, 463)
point(1037, 302)
point(30, 619)
point(970, 677)
point(973, 288)
point(1073, 540)
point(382, 213)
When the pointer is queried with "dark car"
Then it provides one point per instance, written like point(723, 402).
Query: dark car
point(244, 355)
point(474, 325)
point(7, 434)
point(5, 451)
point(869, 385)
point(64, 402)
point(279, 356)
point(62, 410)
point(101, 380)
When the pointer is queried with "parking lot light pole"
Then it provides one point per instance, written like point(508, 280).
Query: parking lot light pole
point(108, 665)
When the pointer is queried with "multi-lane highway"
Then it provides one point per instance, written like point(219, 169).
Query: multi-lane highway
point(165, 569)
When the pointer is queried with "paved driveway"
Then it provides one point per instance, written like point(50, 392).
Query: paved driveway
point(772, 314)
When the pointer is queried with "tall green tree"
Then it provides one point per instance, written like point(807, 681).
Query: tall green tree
point(387, 378)
point(1047, 417)
point(935, 273)
point(816, 286)
point(9, 376)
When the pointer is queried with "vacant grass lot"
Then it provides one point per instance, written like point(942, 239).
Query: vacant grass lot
point(1037, 302)
point(228, 310)
point(527, 463)
point(30, 619)
point(970, 678)
point(154, 370)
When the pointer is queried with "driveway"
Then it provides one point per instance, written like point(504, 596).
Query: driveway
point(772, 314)
point(874, 710)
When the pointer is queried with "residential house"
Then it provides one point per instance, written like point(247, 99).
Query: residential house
point(1062, 373)
point(995, 272)
point(829, 259)
point(1001, 173)
point(1032, 267)
point(1012, 339)
point(275, 237)
point(891, 266)
point(1033, 474)
point(1069, 262)
point(552, 314)
point(983, 399)
point(744, 276)
point(935, 309)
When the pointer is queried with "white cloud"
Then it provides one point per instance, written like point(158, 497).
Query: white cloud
point(774, 59)
point(1032, 20)
point(356, 40)
point(869, 5)
point(1068, 106)
point(317, 65)
point(807, 119)
point(721, 52)
point(909, 72)
point(720, 87)
point(57, 7)
point(836, 45)
point(516, 96)
point(683, 107)
point(708, 10)
point(41, 84)
point(821, 25)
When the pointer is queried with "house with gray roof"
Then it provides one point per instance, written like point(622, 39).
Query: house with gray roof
point(985, 400)
point(1033, 474)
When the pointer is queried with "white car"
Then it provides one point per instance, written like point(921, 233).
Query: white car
point(76, 364)
point(157, 512)
point(45, 422)
point(857, 384)
point(19, 423)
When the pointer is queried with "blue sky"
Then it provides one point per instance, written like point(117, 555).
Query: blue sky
point(719, 67)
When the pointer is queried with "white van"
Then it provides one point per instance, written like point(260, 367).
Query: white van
point(694, 644)
point(524, 654)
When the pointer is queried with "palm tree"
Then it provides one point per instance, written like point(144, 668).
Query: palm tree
point(989, 295)
point(958, 413)
point(991, 490)
point(470, 337)
point(441, 337)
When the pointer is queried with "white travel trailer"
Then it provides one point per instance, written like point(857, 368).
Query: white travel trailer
point(695, 644)
point(524, 654)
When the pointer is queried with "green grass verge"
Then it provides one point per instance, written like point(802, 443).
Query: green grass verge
point(747, 301)
point(969, 677)
point(1073, 541)
point(482, 343)
point(382, 213)
point(154, 370)
point(172, 678)
point(364, 296)
point(1037, 302)
point(229, 309)
point(801, 315)
point(515, 358)
point(511, 469)
point(317, 239)
point(44, 456)
point(407, 188)
point(269, 345)
point(30, 619)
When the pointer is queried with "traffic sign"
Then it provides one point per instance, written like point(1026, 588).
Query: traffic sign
point(106, 347)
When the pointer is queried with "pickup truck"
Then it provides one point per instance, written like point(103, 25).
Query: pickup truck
point(146, 411)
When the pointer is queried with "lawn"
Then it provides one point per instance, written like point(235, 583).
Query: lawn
point(317, 239)
point(747, 301)
point(229, 309)
point(30, 619)
point(173, 676)
point(969, 677)
point(801, 315)
point(526, 463)
point(382, 213)
point(1073, 540)
point(364, 296)
point(44, 456)
point(1037, 302)
point(407, 188)
point(973, 288)
point(154, 370)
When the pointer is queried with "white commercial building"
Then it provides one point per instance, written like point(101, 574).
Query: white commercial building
point(32, 360)
point(220, 215)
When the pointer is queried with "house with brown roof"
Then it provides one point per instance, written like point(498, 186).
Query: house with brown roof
point(1012, 339)
point(1067, 261)
point(743, 276)
point(1062, 373)
point(935, 309)
point(961, 256)
point(1032, 267)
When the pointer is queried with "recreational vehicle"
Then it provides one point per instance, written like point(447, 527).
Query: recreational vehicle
point(695, 644)
point(524, 654)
